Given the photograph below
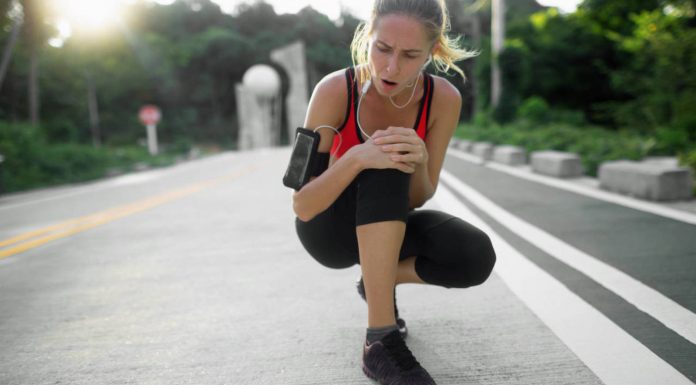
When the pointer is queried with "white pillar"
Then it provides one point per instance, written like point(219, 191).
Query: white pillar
point(292, 59)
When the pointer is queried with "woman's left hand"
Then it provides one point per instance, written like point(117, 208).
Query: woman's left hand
point(404, 144)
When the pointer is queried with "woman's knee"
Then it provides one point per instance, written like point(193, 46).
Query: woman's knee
point(480, 258)
point(485, 260)
point(472, 255)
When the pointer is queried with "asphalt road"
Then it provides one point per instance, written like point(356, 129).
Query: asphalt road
point(193, 274)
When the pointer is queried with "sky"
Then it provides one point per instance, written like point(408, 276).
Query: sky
point(360, 8)
point(100, 15)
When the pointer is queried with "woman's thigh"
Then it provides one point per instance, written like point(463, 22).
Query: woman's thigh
point(450, 252)
point(329, 236)
point(375, 195)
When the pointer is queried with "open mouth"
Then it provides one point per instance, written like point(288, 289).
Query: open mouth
point(387, 82)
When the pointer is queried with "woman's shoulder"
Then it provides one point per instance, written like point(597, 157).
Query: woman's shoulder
point(333, 84)
point(444, 91)
point(446, 103)
point(329, 99)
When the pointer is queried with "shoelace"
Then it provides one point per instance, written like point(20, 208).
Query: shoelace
point(399, 351)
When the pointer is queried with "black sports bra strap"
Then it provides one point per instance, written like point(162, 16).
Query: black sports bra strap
point(350, 75)
point(431, 88)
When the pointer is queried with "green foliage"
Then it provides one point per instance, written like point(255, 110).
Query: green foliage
point(621, 64)
point(185, 57)
point(594, 144)
point(688, 159)
point(534, 110)
point(30, 161)
point(512, 65)
point(617, 63)
point(566, 62)
point(660, 78)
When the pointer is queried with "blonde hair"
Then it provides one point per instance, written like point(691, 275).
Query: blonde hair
point(434, 17)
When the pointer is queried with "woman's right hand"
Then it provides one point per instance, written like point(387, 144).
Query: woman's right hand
point(370, 155)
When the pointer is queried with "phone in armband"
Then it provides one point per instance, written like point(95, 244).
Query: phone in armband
point(302, 159)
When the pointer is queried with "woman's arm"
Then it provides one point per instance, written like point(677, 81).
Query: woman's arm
point(318, 194)
point(326, 107)
point(425, 157)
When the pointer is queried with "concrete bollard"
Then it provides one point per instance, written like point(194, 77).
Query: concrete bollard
point(483, 150)
point(663, 160)
point(510, 155)
point(464, 145)
point(657, 181)
point(556, 163)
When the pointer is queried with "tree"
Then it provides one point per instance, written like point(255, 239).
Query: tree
point(13, 10)
point(33, 20)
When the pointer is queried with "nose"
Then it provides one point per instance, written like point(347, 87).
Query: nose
point(393, 64)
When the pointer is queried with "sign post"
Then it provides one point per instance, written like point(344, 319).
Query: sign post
point(150, 115)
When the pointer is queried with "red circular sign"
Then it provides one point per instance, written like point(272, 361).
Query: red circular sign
point(149, 115)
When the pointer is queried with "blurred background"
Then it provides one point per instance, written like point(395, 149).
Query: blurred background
point(608, 79)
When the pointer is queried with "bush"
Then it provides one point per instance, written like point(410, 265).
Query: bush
point(70, 162)
point(594, 145)
point(688, 159)
point(20, 145)
point(29, 161)
point(534, 110)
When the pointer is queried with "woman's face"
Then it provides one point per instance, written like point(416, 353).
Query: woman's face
point(398, 48)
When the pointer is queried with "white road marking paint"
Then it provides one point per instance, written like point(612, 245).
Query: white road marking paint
point(139, 177)
point(645, 298)
point(622, 200)
point(612, 354)
point(135, 178)
point(123, 180)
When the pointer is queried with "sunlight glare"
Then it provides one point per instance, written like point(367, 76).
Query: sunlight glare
point(89, 15)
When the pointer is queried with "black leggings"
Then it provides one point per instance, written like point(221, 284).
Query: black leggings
point(449, 251)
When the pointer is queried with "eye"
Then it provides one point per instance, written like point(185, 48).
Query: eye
point(382, 49)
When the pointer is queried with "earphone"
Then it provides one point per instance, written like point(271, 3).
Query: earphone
point(340, 139)
point(366, 86)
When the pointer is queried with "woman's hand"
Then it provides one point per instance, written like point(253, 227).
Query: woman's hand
point(371, 155)
point(403, 145)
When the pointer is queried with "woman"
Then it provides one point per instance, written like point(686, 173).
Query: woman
point(361, 209)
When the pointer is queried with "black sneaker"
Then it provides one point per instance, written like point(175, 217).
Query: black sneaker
point(390, 362)
point(399, 322)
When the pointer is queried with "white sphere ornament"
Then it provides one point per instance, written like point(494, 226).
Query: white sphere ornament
point(262, 80)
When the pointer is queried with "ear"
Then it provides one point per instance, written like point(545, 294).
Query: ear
point(436, 48)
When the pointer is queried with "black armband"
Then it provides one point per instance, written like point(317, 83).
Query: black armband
point(302, 159)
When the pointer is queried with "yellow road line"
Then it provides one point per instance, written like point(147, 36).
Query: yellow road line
point(77, 225)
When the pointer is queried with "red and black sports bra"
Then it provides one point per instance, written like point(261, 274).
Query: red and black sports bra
point(349, 131)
